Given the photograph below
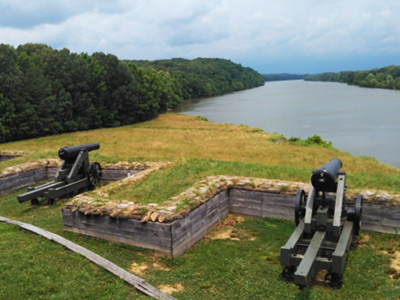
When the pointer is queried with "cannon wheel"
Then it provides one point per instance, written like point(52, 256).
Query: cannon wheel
point(357, 214)
point(334, 280)
point(288, 273)
point(94, 174)
point(35, 201)
point(299, 206)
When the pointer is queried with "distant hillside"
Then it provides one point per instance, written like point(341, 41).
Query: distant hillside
point(45, 91)
point(282, 76)
point(386, 78)
point(205, 77)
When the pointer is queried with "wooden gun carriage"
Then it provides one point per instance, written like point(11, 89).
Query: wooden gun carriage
point(75, 175)
point(325, 229)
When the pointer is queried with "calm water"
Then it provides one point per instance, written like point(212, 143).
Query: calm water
point(361, 121)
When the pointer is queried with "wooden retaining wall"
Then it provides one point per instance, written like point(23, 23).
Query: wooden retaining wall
point(22, 180)
point(188, 231)
point(29, 178)
point(380, 218)
point(155, 236)
point(377, 218)
point(261, 204)
point(174, 238)
point(4, 157)
point(171, 239)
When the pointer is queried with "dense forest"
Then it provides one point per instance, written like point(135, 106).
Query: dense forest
point(386, 78)
point(46, 91)
point(282, 76)
point(203, 77)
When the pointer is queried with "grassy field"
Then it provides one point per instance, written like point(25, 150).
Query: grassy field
point(237, 260)
point(181, 138)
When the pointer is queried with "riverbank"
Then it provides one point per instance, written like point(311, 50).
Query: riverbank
point(357, 120)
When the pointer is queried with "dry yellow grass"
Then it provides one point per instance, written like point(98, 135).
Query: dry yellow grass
point(172, 136)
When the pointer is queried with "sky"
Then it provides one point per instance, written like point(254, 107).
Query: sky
point(270, 36)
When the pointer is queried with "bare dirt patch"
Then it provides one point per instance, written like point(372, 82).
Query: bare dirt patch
point(226, 230)
point(363, 240)
point(395, 265)
point(171, 288)
point(320, 277)
point(224, 234)
point(141, 268)
point(138, 268)
point(231, 220)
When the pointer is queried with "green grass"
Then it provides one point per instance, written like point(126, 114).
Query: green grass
point(171, 137)
point(160, 186)
point(32, 267)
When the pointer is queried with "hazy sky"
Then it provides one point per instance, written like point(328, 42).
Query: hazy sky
point(271, 36)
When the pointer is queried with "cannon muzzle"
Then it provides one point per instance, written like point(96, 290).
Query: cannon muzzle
point(324, 179)
point(70, 153)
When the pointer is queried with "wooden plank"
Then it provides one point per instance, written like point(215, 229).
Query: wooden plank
point(280, 212)
point(186, 233)
point(243, 210)
point(305, 270)
point(380, 228)
point(371, 218)
point(15, 182)
point(309, 209)
point(121, 230)
point(391, 222)
point(51, 172)
point(163, 249)
point(337, 216)
point(339, 256)
point(245, 203)
point(129, 226)
point(390, 212)
point(287, 249)
point(40, 175)
point(278, 205)
point(110, 175)
point(156, 236)
point(279, 199)
point(249, 202)
point(252, 198)
point(128, 277)
point(371, 212)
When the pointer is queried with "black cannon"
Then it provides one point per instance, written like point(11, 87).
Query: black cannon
point(75, 175)
point(325, 229)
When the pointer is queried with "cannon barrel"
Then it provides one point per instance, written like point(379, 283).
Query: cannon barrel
point(70, 153)
point(324, 178)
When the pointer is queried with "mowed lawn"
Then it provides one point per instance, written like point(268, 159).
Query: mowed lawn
point(237, 260)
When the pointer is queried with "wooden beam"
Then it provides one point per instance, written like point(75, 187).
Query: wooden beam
point(309, 209)
point(128, 277)
point(305, 270)
point(337, 217)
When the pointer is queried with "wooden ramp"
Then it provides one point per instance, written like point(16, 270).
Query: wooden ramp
point(128, 277)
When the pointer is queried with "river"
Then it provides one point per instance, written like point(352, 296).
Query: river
point(361, 121)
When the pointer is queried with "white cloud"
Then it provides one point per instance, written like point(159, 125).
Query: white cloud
point(238, 30)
